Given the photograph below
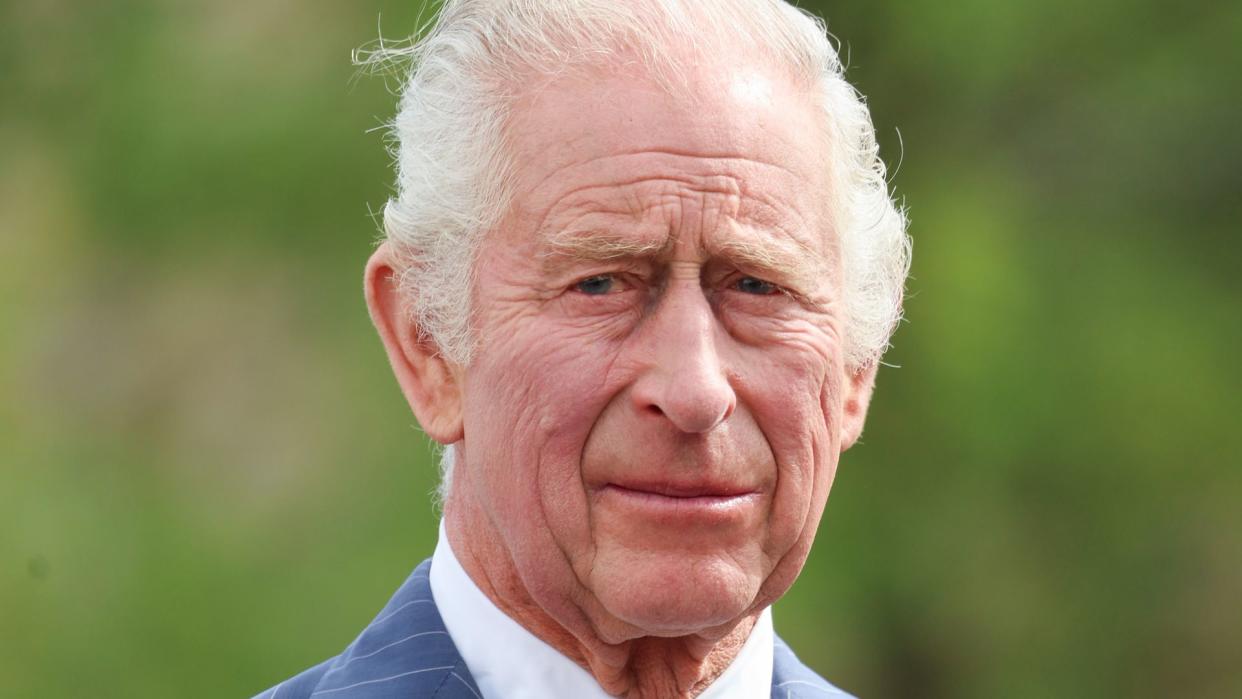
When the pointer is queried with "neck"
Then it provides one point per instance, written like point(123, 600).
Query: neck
point(635, 667)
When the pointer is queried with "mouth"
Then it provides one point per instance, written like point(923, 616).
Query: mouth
point(682, 491)
point(680, 500)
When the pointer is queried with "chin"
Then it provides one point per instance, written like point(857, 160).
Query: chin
point(671, 596)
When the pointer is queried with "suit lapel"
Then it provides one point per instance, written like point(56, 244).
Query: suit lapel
point(407, 652)
point(404, 652)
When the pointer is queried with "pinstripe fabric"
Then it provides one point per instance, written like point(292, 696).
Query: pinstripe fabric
point(406, 652)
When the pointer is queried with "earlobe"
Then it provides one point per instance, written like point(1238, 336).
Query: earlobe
point(429, 381)
point(859, 385)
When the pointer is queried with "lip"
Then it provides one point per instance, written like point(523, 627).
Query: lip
point(680, 501)
point(682, 491)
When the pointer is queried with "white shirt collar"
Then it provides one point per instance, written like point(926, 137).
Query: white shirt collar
point(509, 662)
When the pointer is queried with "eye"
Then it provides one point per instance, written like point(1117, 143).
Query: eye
point(598, 285)
point(758, 287)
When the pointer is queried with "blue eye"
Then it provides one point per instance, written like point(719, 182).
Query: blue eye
point(595, 286)
point(751, 285)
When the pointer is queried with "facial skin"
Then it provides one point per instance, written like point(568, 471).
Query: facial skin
point(652, 420)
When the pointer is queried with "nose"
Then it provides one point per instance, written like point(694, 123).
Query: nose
point(683, 378)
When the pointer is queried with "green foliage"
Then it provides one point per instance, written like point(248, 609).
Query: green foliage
point(205, 464)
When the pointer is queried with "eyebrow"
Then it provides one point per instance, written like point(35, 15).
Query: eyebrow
point(599, 246)
point(787, 262)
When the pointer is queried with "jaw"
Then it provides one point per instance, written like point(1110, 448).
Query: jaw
point(656, 644)
point(668, 594)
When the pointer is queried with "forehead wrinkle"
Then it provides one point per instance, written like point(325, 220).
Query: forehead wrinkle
point(567, 228)
point(767, 209)
point(602, 195)
point(772, 214)
point(674, 166)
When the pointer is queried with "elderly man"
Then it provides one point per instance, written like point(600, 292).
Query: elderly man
point(638, 275)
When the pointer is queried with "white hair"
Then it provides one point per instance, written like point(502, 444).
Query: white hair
point(454, 173)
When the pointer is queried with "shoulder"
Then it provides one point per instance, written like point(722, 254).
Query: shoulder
point(791, 679)
point(301, 685)
point(404, 651)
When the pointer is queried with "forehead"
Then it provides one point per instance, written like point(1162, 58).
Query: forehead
point(748, 132)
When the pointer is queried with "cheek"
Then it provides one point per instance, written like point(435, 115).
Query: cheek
point(795, 396)
point(534, 395)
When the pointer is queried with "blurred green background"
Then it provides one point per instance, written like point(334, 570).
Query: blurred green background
point(209, 481)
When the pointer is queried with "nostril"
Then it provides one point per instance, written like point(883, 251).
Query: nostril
point(655, 410)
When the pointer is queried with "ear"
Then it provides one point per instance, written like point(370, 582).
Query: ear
point(859, 384)
point(431, 383)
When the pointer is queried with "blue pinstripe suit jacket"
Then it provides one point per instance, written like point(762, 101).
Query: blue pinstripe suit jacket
point(406, 652)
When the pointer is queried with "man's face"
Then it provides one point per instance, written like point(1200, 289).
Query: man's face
point(654, 414)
